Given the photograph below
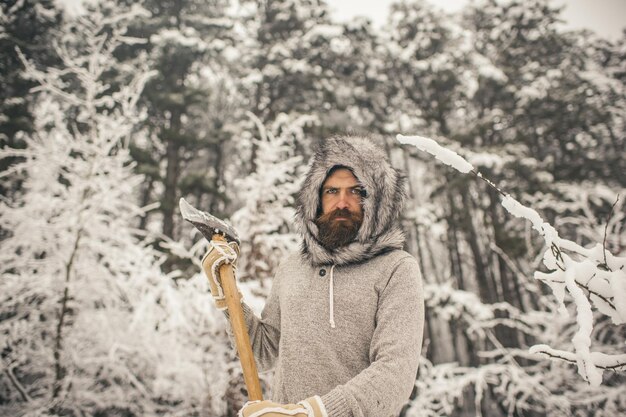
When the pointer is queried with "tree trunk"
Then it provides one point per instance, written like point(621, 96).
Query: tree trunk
point(59, 369)
point(172, 174)
point(456, 264)
point(218, 153)
point(145, 200)
point(486, 290)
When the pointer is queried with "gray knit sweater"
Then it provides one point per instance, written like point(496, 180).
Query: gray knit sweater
point(345, 324)
point(367, 363)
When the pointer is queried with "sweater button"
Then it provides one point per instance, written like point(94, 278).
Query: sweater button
point(322, 272)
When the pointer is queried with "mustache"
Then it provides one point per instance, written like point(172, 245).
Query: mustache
point(345, 213)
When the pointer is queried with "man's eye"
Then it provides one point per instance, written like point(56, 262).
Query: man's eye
point(331, 191)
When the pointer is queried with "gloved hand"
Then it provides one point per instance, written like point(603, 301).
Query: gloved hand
point(219, 253)
point(311, 407)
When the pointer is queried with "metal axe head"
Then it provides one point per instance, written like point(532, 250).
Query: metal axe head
point(206, 223)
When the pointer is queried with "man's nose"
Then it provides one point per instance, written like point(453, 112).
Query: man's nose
point(343, 201)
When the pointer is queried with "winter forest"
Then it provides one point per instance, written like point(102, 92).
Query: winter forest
point(516, 209)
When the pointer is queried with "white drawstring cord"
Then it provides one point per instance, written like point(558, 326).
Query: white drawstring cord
point(330, 296)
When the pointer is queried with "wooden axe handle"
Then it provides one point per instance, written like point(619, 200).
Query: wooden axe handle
point(240, 331)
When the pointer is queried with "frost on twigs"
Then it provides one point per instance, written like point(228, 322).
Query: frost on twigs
point(265, 191)
point(591, 276)
point(89, 322)
point(440, 386)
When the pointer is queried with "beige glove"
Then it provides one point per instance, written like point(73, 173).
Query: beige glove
point(219, 253)
point(311, 407)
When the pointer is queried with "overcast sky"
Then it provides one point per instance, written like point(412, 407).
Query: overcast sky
point(606, 17)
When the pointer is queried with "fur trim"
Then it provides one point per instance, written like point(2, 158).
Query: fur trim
point(384, 185)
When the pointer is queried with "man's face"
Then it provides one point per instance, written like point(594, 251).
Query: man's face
point(342, 213)
point(341, 190)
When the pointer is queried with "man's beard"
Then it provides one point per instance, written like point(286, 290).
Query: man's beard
point(334, 233)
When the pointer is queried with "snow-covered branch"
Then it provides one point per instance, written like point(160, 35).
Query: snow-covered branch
point(592, 276)
point(599, 359)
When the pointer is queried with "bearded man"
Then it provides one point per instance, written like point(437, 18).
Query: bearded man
point(342, 326)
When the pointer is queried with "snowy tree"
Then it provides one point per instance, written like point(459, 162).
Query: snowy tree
point(300, 62)
point(283, 77)
point(423, 65)
point(89, 324)
point(77, 191)
point(591, 276)
point(265, 220)
point(30, 25)
point(357, 91)
point(467, 80)
point(186, 39)
point(559, 99)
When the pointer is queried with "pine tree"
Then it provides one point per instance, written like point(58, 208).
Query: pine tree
point(29, 25)
point(187, 39)
point(266, 217)
point(89, 324)
point(502, 85)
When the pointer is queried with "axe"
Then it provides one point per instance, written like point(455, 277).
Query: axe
point(213, 228)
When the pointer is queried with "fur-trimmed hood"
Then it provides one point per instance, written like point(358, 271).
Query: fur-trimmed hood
point(384, 185)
